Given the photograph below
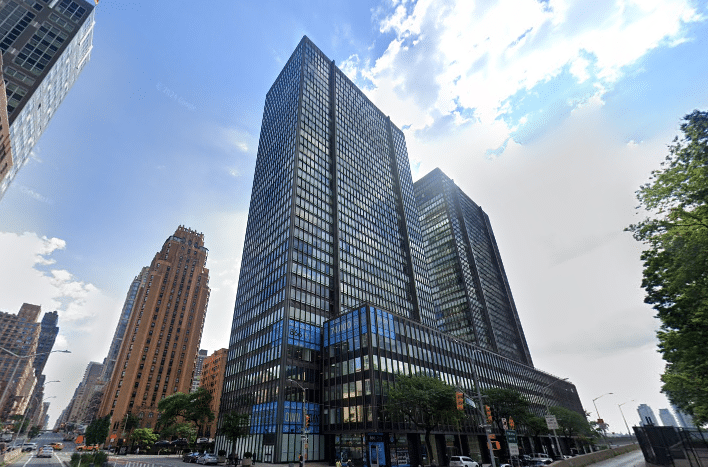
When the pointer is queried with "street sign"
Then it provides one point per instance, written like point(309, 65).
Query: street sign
point(511, 437)
point(513, 449)
point(551, 422)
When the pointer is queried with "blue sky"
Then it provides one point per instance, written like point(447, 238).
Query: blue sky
point(549, 115)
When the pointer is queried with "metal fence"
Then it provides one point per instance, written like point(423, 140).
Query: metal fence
point(671, 446)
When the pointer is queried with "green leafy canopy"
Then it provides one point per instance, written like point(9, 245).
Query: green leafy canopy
point(675, 276)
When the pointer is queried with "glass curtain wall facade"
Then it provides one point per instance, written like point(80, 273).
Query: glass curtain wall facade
point(332, 222)
point(366, 348)
point(473, 297)
point(45, 46)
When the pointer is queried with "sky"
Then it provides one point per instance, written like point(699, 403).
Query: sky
point(548, 114)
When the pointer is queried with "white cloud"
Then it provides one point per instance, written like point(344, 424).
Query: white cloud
point(229, 139)
point(33, 194)
point(448, 56)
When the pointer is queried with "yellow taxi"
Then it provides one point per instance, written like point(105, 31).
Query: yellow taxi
point(57, 446)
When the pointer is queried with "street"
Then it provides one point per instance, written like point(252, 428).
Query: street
point(61, 458)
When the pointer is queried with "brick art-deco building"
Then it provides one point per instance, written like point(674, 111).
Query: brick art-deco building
point(160, 346)
point(212, 379)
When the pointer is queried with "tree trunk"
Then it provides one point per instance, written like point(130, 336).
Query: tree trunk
point(429, 446)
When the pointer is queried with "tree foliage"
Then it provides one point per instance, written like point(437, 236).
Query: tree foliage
point(571, 423)
point(234, 426)
point(192, 408)
point(675, 275)
point(97, 431)
point(180, 430)
point(425, 401)
point(143, 436)
point(129, 422)
point(507, 404)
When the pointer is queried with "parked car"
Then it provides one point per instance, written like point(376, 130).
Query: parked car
point(462, 461)
point(207, 459)
point(541, 457)
point(202, 440)
point(190, 457)
point(45, 451)
point(27, 447)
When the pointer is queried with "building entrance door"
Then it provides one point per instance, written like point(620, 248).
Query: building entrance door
point(377, 454)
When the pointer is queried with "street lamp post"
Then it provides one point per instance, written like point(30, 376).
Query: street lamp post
point(27, 409)
point(12, 376)
point(303, 437)
point(602, 429)
point(625, 420)
point(548, 411)
point(487, 428)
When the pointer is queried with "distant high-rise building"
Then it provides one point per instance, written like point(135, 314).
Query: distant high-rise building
point(47, 336)
point(160, 347)
point(82, 406)
point(198, 369)
point(473, 297)
point(45, 46)
point(19, 336)
point(667, 418)
point(334, 297)
point(646, 415)
point(212, 379)
point(684, 420)
point(110, 361)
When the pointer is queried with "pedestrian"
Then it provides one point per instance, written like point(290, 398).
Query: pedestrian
point(300, 459)
point(338, 463)
point(349, 463)
point(137, 451)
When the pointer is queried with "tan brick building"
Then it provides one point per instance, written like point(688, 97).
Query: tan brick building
point(19, 334)
point(161, 341)
point(5, 148)
point(212, 380)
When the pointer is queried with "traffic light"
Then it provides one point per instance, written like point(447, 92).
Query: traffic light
point(459, 398)
point(307, 421)
point(488, 410)
point(496, 445)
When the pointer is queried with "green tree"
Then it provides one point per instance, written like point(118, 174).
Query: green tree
point(193, 408)
point(143, 436)
point(675, 276)
point(536, 425)
point(234, 426)
point(18, 426)
point(97, 431)
point(34, 431)
point(506, 404)
point(129, 422)
point(571, 423)
point(425, 401)
point(180, 430)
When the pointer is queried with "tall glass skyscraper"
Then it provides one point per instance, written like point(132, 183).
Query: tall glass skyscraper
point(473, 297)
point(334, 297)
point(45, 45)
point(332, 223)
